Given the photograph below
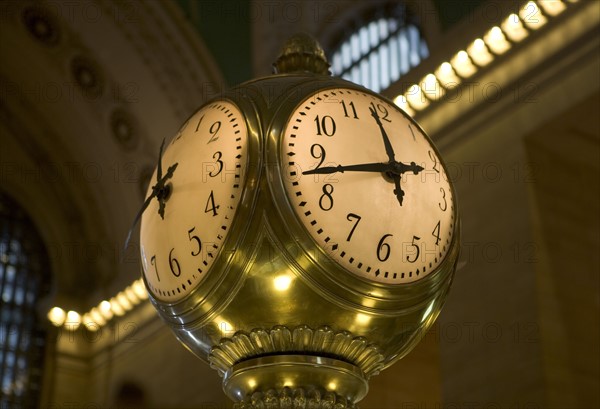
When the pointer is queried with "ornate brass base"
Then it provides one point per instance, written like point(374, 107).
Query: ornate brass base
point(294, 381)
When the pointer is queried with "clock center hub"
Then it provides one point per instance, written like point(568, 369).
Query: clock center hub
point(164, 193)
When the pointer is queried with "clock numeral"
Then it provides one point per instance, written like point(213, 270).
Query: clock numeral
point(174, 264)
point(321, 153)
point(381, 108)
point(217, 157)
point(433, 157)
point(214, 128)
point(445, 206)
point(326, 125)
point(199, 122)
point(326, 200)
point(351, 105)
point(417, 250)
point(384, 249)
point(153, 262)
point(211, 201)
point(436, 233)
point(349, 218)
point(196, 239)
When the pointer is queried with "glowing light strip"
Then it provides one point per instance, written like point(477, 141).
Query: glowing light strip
point(481, 52)
point(100, 315)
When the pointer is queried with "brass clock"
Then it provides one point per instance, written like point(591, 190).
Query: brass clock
point(182, 234)
point(300, 235)
point(367, 185)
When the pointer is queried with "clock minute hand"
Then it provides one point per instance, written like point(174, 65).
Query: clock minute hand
point(363, 167)
point(138, 216)
point(160, 193)
point(386, 141)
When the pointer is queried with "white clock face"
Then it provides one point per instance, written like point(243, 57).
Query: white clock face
point(368, 186)
point(210, 154)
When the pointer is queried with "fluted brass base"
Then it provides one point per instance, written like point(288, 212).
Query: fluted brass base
point(295, 381)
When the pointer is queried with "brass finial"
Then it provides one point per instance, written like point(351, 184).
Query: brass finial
point(301, 53)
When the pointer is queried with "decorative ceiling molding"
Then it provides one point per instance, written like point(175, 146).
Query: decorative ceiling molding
point(92, 88)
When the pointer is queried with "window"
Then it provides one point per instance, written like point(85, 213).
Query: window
point(24, 278)
point(379, 49)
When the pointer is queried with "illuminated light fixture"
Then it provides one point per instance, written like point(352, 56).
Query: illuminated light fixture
point(116, 308)
point(73, 320)
point(496, 41)
point(131, 296)
point(446, 76)
point(462, 64)
point(532, 16)
point(124, 301)
point(401, 101)
point(89, 323)
point(57, 316)
point(552, 7)
point(282, 282)
point(139, 289)
point(513, 28)
point(432, 88)
point(416, 98)
point(97, 317)
point(105, 310)
point(92, 326)
point(479, 53)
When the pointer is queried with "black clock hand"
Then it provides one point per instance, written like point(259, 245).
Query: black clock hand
point(398, 190)
point(394, 168)
point(386, 141)
point(161, 191)
point(399, 169)
point(159, 166)
point(363, 167)
point(138, 216)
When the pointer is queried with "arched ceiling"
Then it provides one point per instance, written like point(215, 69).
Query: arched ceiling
point(88, 92)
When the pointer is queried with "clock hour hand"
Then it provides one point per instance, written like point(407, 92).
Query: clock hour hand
point(386, 141)
point(398, 190)
point(399, 169)
point(161, 191)
point(363, 167)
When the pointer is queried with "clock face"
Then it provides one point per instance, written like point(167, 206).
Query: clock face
point(206, 161)
point(368, 186)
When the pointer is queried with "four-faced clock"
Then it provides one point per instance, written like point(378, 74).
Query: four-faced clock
point(368, 186)
point(190, 208)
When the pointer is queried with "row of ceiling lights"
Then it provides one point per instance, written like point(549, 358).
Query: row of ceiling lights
point(100, 315)
point(463, 65)
point(481, 52)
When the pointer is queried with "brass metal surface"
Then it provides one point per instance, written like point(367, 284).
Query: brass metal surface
point(272, 291)
point(295, 371)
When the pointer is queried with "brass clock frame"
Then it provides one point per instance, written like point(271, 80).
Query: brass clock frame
point(233, 257)
point(341, 287)
point(328, 314)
